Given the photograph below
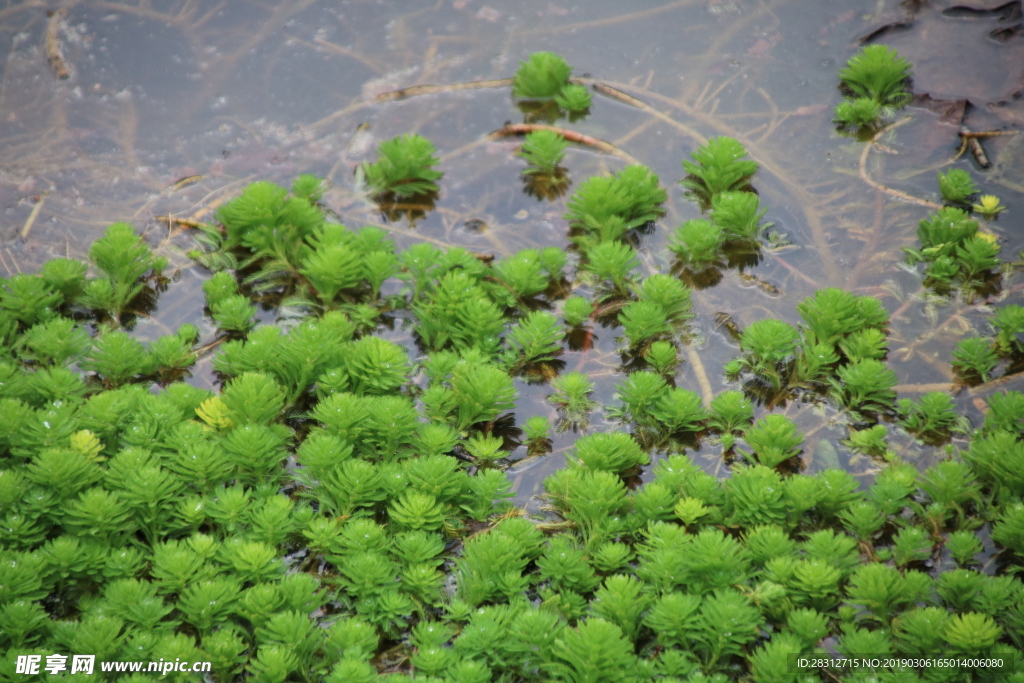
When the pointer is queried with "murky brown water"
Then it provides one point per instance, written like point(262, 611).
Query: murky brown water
point(240, 91)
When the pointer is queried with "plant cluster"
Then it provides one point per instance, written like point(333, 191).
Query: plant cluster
point(404, 167)
point(543, 81)
point(877, 82)
point(719, 178)
point(840, 347)
point(606, 208)
point(977, 358)
point(955, 252)
point(957, 186)
point(339, 511)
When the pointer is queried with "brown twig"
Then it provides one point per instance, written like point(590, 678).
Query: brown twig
point(898, 194)
point(187, 222)
point(570, 135)
point(415, 90)
point(53, 53)
point(923, 388)
point(610, 21)
point(970, 140)
point(994, 383)
point(616, 94)
point(32, 217)
point(321, 45)
point(964, 133)
point(792, 269)
point(182, 183)
point(700, 374)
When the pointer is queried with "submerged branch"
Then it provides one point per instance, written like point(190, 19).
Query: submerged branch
point(702, 377)
point(570, 135)
point(414, 90)
point(53, 51)
point(32, 217)
point(898, 194)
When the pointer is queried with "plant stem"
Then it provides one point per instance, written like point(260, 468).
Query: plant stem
point(571, 135)
point(899, 194)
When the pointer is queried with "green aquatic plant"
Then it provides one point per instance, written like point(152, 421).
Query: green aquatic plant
point(574, 98)
point(857, 113)
point(545, 78)
point(1008, 322)
point(642, 321)
point(576, 310)
point(977, 256)
point(878, 80)
point(739, 215)
point(540, 77)
point(596, 650)
point(640, 392)
point(612, 261)
point(731, 412)
point(343, 490)
point(460, 314)
point(404, 167)
point(832, 314)
point(1005, 413)
point(609, 452)
point(698, 242)
point(543, 150)
point(537, 430)
point(941, 234)
point(480, 393)
point(525, 274)
point(485, 448)
point(661, 356)
point(572, 395)
point(775, 439)
point(768, 347)
point(975, 358)
point(331, 268)
point(679, 410)
point(717, 167)
point(234, 314)
point(604, 208)
point(869, 342)
point(219, 287)
point(932, 415)
point(54, 342)
point(669, 294)
point(537, 338)
point(1009, 529)
point(957, 186)
point(118, 358)
point(865, 385)
point(988, 207)
point(880, 73)
point(28, 300)
point(127, 263)
point(870, 441)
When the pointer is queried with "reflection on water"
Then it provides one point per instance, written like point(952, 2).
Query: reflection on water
point(223, 94)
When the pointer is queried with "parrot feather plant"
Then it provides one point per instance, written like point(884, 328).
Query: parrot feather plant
point(541, 85)
point(876, 82)
point(345, 505)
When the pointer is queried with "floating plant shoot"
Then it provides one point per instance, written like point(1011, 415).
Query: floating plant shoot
point(542, 83)
point(544, 150)
point(877, 82)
